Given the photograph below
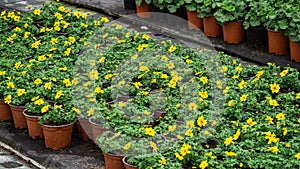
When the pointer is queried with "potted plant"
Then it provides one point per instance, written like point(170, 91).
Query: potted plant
point(253, 23)
point(206, 10)
point(5, 112)
point(143, 8)
point(293, 32)
point(194, 22)
point(277, 22)
point(57, 125)
point(34, 110)
point(230, 14)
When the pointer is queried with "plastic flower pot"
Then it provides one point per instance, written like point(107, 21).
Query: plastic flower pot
point(113, 161)
point(143, 11)
point(57, 137)
point(97, 130)
point(5, 113)
point(233, 32)
point(127, 165)
point(18, 116)
point(194, 22)
point(84, 129)
point(211, 27)
point(34, 128)
point(278, 43)
point(295, 51)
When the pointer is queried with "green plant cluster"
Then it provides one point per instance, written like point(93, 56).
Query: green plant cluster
point(278, 15)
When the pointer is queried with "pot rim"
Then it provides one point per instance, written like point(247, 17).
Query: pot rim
point(124, 161)
point(64, 125)
point(115, 155)
point(272, 30)
point(17, 106)
point(32, 116)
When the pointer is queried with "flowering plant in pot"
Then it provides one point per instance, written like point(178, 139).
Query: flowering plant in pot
point(195, 22)
point(57, 124)
point(143, 8)
point(231, 13)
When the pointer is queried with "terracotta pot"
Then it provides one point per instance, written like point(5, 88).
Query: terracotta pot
point(211, 27)
point(278, 43)
point(34, 128)
point(97, 130)
point(84, 129)
point(194, 22)
point(5, 113)
point(295, 51)
point(113, 161)
point(233, 32)
point(57, 137)
point(143, 11)
point(18, 116)
point(128, 166)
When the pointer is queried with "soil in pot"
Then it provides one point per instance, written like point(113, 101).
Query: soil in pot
point(113, 161)
point(194, 22)
point(295, 51)
point(18, 116)
point(233, 32)
point(34, 128)
point(211, 27)
point(58, 137)
point(5, 113)
point(278, 43)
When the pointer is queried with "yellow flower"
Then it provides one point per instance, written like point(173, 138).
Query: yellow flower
point(201, 121)
point(204, 79)
point(298, 95)
point(172, 83)
point(21, 92)
point(108, 76)
point(189, 133)
point(170, 65)
point(184, 150)
point(93, 74)
point(67, 52)
point(163, 76)
point(98, 90)
point(58, 94)
point(42, 58)
point(104, 19)
point(48, 86)
point(153, 145)
point(150, 131)
point(153, 80)
point(192, 106)
point(297, 156)
point(127, 146)
point(138, 84)
point(280, 116)
point(135, 56)
point(288, 144)
point(62, 8)
point(36, 44)
point(251, 122)
point(274, 149)
point(237, 134)
point(67, 82)
point(39, 102)
point(273, 103)
point(145, 36)
point(283, 73)
point(274, 88)
point(7, 99)
point(172, 48)
point(35, 98)
point(203, 94)
point(45, 109)
point(162, 161)
point(241, 84)
point(72, 39)
point(37, 11)
point(144, 68)
point(101, 60)
point(190, 124)
point(189, 61)
point(10, 85)
point(90, 112)
point(172, 128)
point(230, 154)
point(284, 131)
point(270, 120)
point(203, 164)
point(231, 103)
point(177, 155)
point(121, 104)
point(228, 141)
point(17, 65)
point(243, 98)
